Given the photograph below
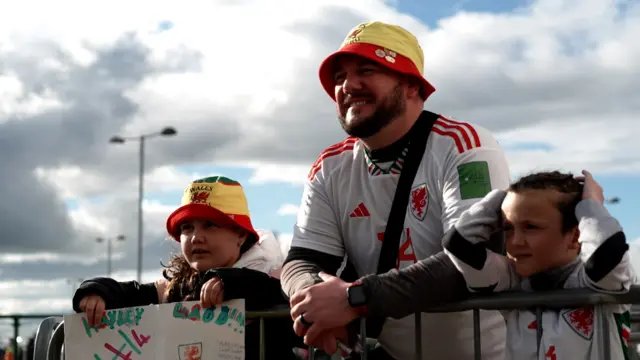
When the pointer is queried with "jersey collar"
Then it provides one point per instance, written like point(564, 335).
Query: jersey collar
point(390, 159)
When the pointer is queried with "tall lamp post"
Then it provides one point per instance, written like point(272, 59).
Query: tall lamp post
point(108, 241)
point(167, 131)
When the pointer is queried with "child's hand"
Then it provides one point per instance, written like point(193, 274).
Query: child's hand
point(211, 293)
point(93, 306)
point(591, 190)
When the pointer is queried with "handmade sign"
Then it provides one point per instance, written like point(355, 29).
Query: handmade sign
point(182, 331)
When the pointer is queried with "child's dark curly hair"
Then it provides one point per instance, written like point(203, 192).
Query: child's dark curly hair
point(182, 279)
point(564, 183)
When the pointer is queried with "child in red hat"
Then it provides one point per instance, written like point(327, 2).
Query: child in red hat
point(222, 258)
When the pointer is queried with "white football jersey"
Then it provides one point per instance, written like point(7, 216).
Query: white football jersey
point(345, 207)
point(579, 333)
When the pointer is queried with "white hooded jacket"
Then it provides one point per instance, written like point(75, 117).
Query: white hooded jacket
point(266, 255)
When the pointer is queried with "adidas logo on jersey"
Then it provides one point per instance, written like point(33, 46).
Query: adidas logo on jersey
point(360, 211)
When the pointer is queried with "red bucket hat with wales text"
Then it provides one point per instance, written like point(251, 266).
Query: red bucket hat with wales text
point(388, 45)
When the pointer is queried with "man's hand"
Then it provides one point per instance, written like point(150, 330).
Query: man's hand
point(327, 340)
point(321, 307)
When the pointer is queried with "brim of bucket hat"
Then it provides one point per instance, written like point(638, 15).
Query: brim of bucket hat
point(399, 64)
point(201, 211)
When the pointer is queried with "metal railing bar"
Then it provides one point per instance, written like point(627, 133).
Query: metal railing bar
point(565, 298)
point(262, 344)
point(418, 335)
point(276, 312)
point(29, 316)
point(477, 345)
point(568, 298)
point(54, 350)
point(538, 329)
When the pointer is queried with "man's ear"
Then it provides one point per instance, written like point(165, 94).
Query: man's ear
point(413, 88)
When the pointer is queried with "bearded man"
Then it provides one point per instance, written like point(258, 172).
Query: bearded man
point(376, 79)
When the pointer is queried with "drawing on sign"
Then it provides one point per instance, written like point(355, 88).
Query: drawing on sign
point(156, 332)
point(196, 313)
point(190, 351)
point(120, 318)
point(111, 318)
point(119, 353)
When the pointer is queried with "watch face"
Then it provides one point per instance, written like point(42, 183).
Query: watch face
point(357, 297)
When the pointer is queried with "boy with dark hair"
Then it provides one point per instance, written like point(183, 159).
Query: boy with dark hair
point(558, 235)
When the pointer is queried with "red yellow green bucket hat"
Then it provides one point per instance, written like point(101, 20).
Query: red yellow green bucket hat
point(388, 45)
point(215, 198)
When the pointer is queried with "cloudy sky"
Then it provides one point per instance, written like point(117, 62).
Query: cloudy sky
point(557, 81)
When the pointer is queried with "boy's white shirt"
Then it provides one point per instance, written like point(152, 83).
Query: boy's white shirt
point(266, 255)
point(569, 333)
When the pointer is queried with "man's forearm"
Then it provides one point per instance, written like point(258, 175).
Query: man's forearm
point(301, 268)
point(428, 283)
point(297, 275)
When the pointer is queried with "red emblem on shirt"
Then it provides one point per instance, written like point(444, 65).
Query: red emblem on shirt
point(419, 201)
point(581, 321)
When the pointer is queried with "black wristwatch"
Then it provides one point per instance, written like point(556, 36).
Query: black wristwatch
point(357, 297)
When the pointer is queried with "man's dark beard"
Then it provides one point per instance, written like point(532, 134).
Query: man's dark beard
point(390, 107)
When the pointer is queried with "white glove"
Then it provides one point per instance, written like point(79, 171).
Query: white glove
point(483, 218)
point(482, 269)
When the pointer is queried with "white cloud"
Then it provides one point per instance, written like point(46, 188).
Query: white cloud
point(74, 182)
point(18, 104)
point(267, 173)
point(288, 209)
point(532, 69)
point(599, 154)
point(103, 208)
point(87, 221)
point(55, 258)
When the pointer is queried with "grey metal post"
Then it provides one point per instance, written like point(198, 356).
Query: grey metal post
point(16, 333)
point(167, 131)
point(108, 257)
point(140, 197)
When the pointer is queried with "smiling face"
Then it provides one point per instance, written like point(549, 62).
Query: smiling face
point(533, 227)
point(206, 246)
point(368, 96)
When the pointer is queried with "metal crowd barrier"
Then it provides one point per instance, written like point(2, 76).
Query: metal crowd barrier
point(49, 339)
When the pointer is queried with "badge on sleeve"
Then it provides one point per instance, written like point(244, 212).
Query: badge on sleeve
point(474, 180)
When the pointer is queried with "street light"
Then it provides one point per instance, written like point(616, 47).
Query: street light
point(167, 131)
point(108, 241)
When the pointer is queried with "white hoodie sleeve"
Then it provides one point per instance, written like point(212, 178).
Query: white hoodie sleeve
point(604, 250)
point(265, 256)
